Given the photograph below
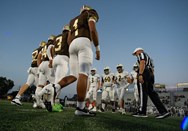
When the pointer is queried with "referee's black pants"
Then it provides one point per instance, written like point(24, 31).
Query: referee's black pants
point(146, 89)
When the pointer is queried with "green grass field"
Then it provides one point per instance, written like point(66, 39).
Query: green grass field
point(19, 118)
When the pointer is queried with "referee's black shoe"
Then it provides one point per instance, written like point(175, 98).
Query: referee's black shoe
point(163, 115)
point(140, 114)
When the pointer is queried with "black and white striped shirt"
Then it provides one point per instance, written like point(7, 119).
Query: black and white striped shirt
point(148, 61)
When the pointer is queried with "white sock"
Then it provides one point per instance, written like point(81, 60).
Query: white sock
point(90, 105)
point(81, 105)
point(58, 87)
point(37, 95)
point(103, 105)
point(18, 96)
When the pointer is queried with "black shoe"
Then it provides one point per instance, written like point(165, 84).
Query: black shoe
point(140, 114)
point(48, 106)
point(157, 115)
point(55, 93)
point(84, 112)
point(113, 110)
point(101, 110)
point(163, 115)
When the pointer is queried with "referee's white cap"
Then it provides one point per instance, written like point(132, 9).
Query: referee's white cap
point(137, 49)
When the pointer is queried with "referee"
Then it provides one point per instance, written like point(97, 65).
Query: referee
point(146, 80)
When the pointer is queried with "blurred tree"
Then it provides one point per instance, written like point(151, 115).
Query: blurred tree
point(5, 86)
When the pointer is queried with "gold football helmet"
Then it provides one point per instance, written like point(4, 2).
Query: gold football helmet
point(66, 27)
point(42, 43)
point(85, 7)
point(51, 37)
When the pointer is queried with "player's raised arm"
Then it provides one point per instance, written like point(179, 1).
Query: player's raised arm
point(93, 31)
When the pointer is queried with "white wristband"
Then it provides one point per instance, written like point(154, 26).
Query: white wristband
point(97, 48)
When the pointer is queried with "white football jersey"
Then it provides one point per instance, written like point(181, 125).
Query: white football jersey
point(94, 80)
point(108, 79)
point(121, 78)
point(134, 76)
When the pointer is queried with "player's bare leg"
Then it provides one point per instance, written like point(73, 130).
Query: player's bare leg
point(82, 87)
point(81, 92)
point(67, 80)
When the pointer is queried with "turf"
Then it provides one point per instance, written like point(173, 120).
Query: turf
point(19, 118)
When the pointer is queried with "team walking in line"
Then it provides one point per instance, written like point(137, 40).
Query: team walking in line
point(72, 49)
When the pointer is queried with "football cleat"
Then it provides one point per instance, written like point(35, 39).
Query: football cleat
point(48, 106)
point(90, 107)
point(42, 105)
point(34, 105)
point(113, 111)
point(84, 112)
point(16, 101)
point(94, 109)
point(123, 112)
point(101, 110)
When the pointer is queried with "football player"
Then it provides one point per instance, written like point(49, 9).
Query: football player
point(121, 81)
point(94, 84)
point(32, 75)
point(134, 79)
point(82, 33)
point(60, 62)
point(45, 68)
point(107, 84)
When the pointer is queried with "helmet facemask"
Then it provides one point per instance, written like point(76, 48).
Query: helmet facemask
point(106, 71)
point(93, 72)
point(120, 69)
point(135, 68)
point(42, 44)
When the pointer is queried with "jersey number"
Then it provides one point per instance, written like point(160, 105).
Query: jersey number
point(34, 55)
point(107, 79)
point(119, 78)
point(44, 52)
point(92, 80)
point(58, 44)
